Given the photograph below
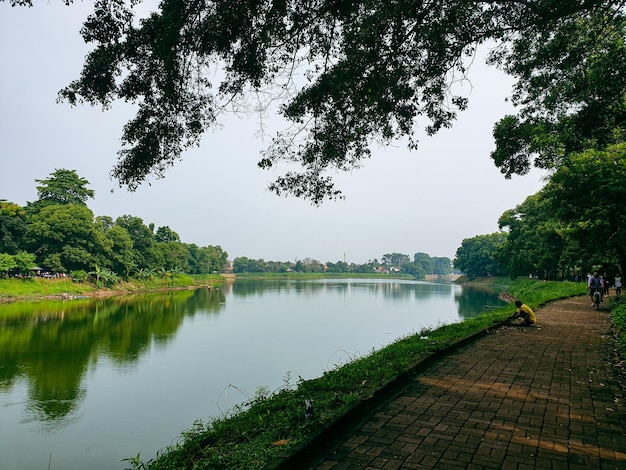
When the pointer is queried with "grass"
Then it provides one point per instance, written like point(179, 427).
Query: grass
point(30, 288)
point(273, 422)
point(618, 313)
point(12, 289)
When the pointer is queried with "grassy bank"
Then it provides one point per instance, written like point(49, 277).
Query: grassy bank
point(618, 313)
point(29, 289)
point(275, 422)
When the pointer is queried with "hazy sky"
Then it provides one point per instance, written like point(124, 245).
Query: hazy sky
point(403, 201)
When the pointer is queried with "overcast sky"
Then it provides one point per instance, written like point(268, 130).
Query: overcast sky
point(402, 201)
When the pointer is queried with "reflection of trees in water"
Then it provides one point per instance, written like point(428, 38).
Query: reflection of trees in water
point(53, 344)
point(387, 288)
point(472, 301)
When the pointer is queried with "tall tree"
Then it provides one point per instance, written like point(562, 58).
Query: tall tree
point(535, 243)
point(146, 256)
point(587, 194)
point(343, 73)
point(63, 237)
point(63, 187)
point(12, 226)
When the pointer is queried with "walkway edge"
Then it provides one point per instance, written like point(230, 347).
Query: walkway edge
point(316, 447)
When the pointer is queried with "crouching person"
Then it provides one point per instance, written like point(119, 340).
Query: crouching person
point(525, 313)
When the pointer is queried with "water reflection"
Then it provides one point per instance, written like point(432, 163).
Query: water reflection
point(128, 374)
point(387, 288)
point(52, 344)
point(472, 301)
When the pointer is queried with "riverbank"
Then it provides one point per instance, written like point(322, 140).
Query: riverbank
point(38, 288)
point(274, 424)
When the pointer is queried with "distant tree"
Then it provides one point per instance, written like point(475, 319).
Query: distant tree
point(395, 259)
point(243, 264)
point(104, 223)
point(414, 269)
point(24, 261)
point(63, 187)
point(478, 256)
point(12, 226)
point(535, 243)
point(63, 236)
point(175, 256)
point(166, 234)
point(217, 256)
point(338, 267)
point(146, 254)
point(119, 254)
point(308, 265)
point(7, 262)
point(442, 266)
point(425, 262)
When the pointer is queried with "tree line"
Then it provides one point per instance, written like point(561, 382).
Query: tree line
point(59, 233)
point(421, 265)
point(574, 225)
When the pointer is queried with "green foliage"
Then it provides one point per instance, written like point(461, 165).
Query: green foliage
point(618, 314)
point(7, 262)
point(479, 256)
point(587, 195)
point(343, 74)
point(24, 261)
point(535, 243)
point(103, 276)
point(576, 222)
point(12, 227)
point(395, 259)
point(65, 231)
point(571, 88)
point(79, 276)
point(59, 232)
point(63, 187)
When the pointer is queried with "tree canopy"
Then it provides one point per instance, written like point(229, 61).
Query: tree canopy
point(59, 232)
point(63, 187)
point(346, 74)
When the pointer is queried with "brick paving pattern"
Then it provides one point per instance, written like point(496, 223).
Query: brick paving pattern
point(545, 397)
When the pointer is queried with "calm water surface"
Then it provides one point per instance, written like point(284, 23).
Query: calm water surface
point(86, 383)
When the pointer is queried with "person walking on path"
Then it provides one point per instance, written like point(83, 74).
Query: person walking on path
point(595, 284)
point(617, 283)
point(532, 398)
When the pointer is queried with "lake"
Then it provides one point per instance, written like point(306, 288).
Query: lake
point(87, 383)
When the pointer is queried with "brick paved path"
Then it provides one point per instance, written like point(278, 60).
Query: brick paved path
point(519, 398)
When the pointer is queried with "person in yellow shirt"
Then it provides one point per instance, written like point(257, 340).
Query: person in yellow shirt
point(524, 312)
